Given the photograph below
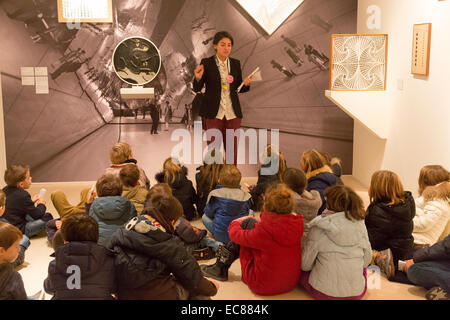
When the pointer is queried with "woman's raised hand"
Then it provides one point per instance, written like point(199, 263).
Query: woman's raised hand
point(199, 72)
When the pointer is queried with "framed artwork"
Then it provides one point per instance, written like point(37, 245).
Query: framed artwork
point(420, 62)
point(85, 11)
point(270, 14)
point(358, 62)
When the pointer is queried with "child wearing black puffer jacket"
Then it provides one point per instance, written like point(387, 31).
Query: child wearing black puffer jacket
point(389, 222)
point(81, 255)
point(175, 176)
point(151, 263)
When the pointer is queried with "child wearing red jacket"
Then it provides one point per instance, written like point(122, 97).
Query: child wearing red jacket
point(269, 248)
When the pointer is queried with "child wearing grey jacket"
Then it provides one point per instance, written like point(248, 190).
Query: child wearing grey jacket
point(337, 250)
point(306, 203)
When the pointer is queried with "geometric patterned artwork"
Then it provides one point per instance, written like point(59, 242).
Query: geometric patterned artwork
point(358, 62)
point(270, 14)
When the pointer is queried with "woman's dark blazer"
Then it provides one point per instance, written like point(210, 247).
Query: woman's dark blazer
point(211, 78)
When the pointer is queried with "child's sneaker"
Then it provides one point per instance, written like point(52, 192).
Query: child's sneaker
point(437, 293)
point(385, 261)
point(204, 253)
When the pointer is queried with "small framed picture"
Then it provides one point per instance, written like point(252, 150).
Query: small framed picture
point(85, 11)
point(420, 62)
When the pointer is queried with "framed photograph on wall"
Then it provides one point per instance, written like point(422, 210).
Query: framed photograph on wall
point(420, 62)
point(85, 11)
point(358, 62)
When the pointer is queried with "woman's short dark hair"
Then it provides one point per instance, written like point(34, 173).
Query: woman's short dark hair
point(220, 35)
point(79, 227)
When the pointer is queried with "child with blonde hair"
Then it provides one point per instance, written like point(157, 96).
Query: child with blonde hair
point(431, 175)
point(337, 250)
point(207, 177)
point(432, 214)
point(175, 175)
point(389, 221)
point(120, 155)
point(319, 175)
point(273, 166)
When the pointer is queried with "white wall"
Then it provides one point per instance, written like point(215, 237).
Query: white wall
point(2, 139)
point(415, 121)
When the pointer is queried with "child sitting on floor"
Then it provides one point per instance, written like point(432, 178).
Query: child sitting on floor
point(272, 168)
point(319, 175)
point(110, 209)
point(24, 243)
point(337, 250)
point(121, 155)
point(81, 255)
point(226, 203)
point(21, 211)
point(11, 283)
point(432, 219)
point(305, 203)
point(432, 214)
point(129, 176)
point(207, 177)
point(430, 268)
point(194, 239)
point(389, 222)
point(175, 176)
point(150, 262)
point(269, 248)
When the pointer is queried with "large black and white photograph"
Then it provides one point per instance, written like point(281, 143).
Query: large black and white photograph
point(65, 135)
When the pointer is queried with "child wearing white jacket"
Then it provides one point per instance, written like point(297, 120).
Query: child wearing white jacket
point(337, 250)
point(432, 214)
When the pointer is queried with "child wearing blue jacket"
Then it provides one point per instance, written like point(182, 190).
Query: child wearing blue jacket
point(226, 203)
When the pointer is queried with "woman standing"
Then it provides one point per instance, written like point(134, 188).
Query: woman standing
point(222, 76)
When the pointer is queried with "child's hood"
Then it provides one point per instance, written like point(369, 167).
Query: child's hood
point(86, 255)
point(339, 229)
point(112, 208)
point(229, 193)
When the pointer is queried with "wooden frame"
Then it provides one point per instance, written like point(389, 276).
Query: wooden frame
point(420, 60)
point(330, 83)
point(108, 19)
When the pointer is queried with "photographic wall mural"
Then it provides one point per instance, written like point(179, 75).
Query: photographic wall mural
point(84, 91)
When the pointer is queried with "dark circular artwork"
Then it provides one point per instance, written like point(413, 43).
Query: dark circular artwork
point(136, 60)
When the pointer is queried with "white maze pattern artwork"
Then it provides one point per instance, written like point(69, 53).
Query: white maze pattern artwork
point(358, 62)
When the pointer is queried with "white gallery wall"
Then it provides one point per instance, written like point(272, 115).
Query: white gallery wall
point(2, 139)
point(408, 125)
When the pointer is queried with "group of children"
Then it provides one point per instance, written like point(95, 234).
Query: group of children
point(130, 241)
